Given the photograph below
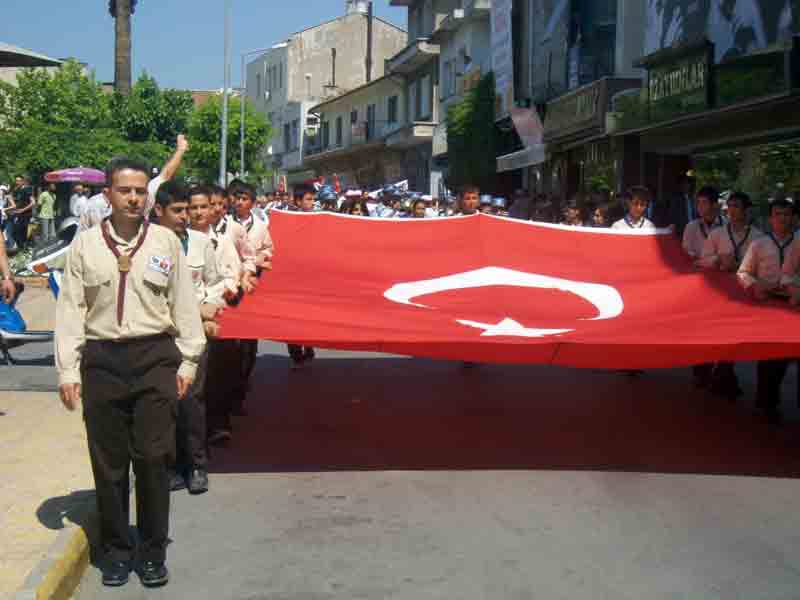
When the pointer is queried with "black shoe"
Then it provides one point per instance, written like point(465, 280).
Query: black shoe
point(153, 574)
point(774, 416)
point(198, 481)
point(115, 573)
point(176, 481)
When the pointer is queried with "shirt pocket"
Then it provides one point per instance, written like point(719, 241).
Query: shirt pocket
point(154, 292)
point(97, 287)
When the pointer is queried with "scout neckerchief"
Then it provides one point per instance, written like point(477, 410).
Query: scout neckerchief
point(247, 223)
point(781, 248)
point(123, 263)
point(185, 243)
point(737, 248)
point(706, 229)
point(631, 225)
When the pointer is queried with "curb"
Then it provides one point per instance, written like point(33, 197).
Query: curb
point(58, 575)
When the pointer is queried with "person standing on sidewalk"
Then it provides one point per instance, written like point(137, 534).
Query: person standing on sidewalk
point(46, 207)
point(128, 340)
point(7, 288)
point(23, 198)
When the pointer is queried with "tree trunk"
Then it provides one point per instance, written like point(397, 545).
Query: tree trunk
point(122, 50)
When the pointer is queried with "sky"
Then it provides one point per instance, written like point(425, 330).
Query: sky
point(179, 42)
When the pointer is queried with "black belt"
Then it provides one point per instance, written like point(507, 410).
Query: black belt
point(146, 339)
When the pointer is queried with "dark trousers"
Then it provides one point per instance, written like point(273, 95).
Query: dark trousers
point(222, 382)
point(298, 352)
point(770, 376)
point(702, 373)
point(129, 405)
point(21, 230)
point(191, 436)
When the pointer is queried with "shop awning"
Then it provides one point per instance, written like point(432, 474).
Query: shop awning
point(529, 157)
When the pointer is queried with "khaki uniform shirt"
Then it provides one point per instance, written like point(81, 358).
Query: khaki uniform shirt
point(259, 237)
point(159, 298)
point(209, 284)
point(229, 265)
point(238, 235)
point(720, 243)
point(763, 262)
point(695, 235)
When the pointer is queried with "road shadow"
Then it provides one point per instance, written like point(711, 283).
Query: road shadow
point(78, 508)
point(410, 414)
point(39, 361)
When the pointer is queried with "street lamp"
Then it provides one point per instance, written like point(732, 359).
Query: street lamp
point(242, 100)
point(223, 156)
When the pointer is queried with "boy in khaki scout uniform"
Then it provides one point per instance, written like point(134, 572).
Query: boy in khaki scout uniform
point(128, 339)
point(172, 211)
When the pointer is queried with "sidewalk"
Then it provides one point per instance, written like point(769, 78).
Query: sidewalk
point(47, 482)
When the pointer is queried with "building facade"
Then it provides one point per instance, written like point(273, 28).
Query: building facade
point(351, 144)
point(310, 67)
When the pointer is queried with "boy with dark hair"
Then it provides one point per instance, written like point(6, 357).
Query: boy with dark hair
point(761, 274)
point(171, 210)
point(697, 231)
point(637, 199)
point(470, 199)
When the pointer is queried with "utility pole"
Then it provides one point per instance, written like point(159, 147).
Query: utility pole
point(223, 156)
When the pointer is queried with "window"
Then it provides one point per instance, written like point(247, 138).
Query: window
point(391, 109)
point(287, 137)
point(449, 83)
point(354, 116)
point(425, 98)
point(280, 76)
point(338, 131)
point(326, 134)
point(258, 86)
point(413, 107)
point(295, 134)
point(371, 121)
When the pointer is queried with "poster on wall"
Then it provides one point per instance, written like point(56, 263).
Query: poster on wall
point(736, 27)
point(502, 57)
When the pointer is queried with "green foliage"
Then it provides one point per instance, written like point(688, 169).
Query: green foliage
point(65, 98)
point(472, 136)
point(205, 134)
point(150, 114)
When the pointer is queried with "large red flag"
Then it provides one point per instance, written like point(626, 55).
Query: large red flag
point(488, 289)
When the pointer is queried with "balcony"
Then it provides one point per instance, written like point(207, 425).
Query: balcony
point(417, 54)
point(477, 9)
point(413, 134)
point(447, 26)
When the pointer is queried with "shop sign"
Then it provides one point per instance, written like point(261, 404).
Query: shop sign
point(573, 110)
point(685, 77)
point(679, 80)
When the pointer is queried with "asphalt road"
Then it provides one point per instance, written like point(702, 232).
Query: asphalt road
point(385, 477)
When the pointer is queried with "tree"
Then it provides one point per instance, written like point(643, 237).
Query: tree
point(121, 11)
point(204, 135)
point(472, 137)
point(150, 114)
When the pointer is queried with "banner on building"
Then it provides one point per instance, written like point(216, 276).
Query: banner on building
point(488, 289)
point(735, 28)
point(502, 57)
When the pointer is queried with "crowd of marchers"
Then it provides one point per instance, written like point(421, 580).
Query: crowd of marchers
point(158, 260)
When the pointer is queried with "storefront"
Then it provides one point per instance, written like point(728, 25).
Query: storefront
point(732, 124)
point(582, 157)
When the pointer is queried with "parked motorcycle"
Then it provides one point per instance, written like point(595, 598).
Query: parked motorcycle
point(48, 259)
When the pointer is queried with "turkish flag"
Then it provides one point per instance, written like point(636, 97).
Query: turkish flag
point(489, 289)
